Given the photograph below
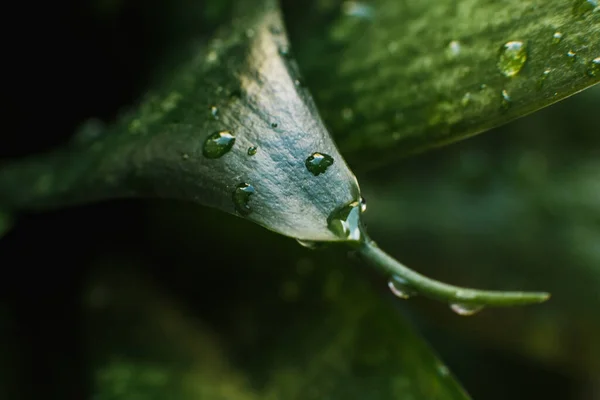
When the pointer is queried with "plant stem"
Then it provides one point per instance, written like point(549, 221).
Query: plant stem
point(428, 287)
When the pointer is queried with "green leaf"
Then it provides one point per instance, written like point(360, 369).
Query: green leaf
point(189, 139)
point(278, 328)
point(392, 78)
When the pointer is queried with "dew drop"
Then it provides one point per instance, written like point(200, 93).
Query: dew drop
point(317, 163)
point(241, 198)
point(542, 79)
point(185, 156)
point(400, 288)
point(252, 150)
point(583, 7)
point(512, 57)
point(572, 55)
point(454, 48)
point(299, 82)
point(363, 205)
point(218, 144)
point(465, 310)
point(345, 222)
point(594, 69)
point(214, 111)
point(557, 37)
point(506, 100)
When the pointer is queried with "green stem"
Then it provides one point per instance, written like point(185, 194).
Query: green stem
point(428, 287)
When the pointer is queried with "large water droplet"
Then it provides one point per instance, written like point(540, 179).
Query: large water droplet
point(512, 58)
point(218, 144)
point(241, 198)
point(317, 163)
point(252, 150)
point(345, 222)
point(465, 309)
point(582, 7)
point(400, 288)
point(557, 37)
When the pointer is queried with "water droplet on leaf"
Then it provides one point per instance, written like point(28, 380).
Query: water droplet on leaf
point(218, 144)
point(345, 222)
point(557, 37)
point(214, 111)
point(506, 100)
point(317, 163)
point(400, 288)
point(310, 244)
point(594, 68)
point(241, 198)
point(572, 55)
point(465, 309)
point(542, 78)
point(252, 150)
point(454, 48)
point(466, 99)
point(512, 58)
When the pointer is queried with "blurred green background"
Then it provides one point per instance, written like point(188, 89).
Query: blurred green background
point(121, 299)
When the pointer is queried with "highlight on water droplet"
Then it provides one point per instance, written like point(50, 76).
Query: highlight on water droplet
point(557, 37)
point(218, 144)
point(317, 163)
point(252, 150)
point(363, 205)
point(400, 288)
point(572, 55)
point(465, 310)
point(345, 222)
point(241, 198)
point(511, 58)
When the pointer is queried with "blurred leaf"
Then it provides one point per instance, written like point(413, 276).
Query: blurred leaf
point(5, 223)
point(396, 77)
point(285, 328)
point(190, 139)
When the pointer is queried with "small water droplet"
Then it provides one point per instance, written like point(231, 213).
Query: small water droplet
point(542, 79)
point(483, 86)
point(357, 9)
point(363, 205)
point(465, 309)
point(583, 7)
point(454, 48)
point(299, 82)
point(250, 33)
point(512, 57)
point(572, 55)
point(274, 125)
point(317, 163)
point(506, 100)
point(557, 37)
point(185, 156)
point(400, 288)
point(466, 99)
point(252, 150)
point(345, 222)
point(214, 111)
point(241, 198)
point(594, 68)
point(218, 144)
